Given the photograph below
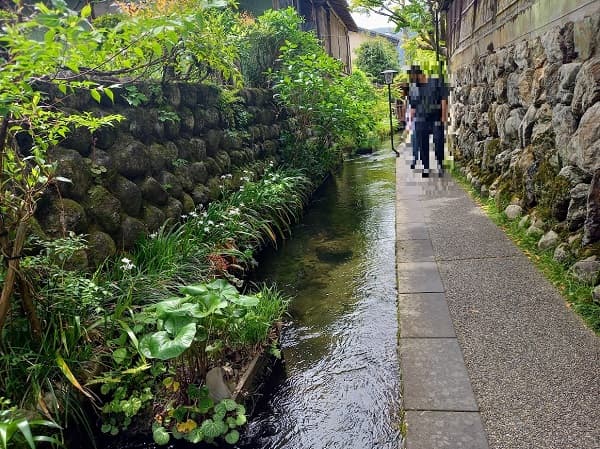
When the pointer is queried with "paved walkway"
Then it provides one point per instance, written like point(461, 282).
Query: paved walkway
point(491, 356)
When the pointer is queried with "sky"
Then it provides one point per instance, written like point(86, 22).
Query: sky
point(371, 21)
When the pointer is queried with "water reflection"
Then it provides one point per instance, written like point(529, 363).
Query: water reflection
point(341, 382)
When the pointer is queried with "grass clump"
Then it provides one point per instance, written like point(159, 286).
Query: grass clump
point(96, 350)
point(577, 293)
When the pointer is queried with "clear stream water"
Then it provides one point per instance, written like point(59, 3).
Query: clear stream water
point(340, 388)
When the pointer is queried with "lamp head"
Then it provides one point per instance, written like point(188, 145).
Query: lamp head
point(388, 76)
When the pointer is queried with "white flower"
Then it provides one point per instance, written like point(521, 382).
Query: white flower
point(241, 188)
point(234, 211)
point(206, 229)
point(210, 222)
point(193, 214)
point(154, 235)
point(184, 216)
point(127, 264)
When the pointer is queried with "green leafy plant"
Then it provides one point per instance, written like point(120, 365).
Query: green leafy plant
point(84, 324)
point(203, 316)
point(375, 56)
point(262, 40)
point(30, 125)
point(16, 429)
point(417, 16)
point(327, 106)
point(202, 420)
point(168, 116)
point(134, 97)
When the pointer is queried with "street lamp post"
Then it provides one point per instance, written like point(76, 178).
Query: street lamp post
point(388, 76)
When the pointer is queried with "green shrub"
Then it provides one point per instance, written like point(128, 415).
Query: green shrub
point(375, 56)
point(263, 39)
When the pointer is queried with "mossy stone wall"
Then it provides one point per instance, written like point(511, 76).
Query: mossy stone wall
point(164, 160)
point(526, 121)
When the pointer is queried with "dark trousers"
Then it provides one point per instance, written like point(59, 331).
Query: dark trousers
point(420, 142)
point(438, 141)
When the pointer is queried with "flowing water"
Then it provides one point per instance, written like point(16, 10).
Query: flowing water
point(340, 388)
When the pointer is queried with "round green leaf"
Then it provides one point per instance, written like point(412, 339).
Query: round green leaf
point(195, 436)
point(194, 290)
point(210, 429)
point(175, 307)
point(232, 437)
point(211, 303)
point(174, 324)
point(161, 436)
point(161, 346)
point(231, 422)
point(230, 404)
point(240, 420)
point(119, 355)
point(205, 404)
point(223, 287)
point(220, 408)
point(245, 301)
point(222, 426)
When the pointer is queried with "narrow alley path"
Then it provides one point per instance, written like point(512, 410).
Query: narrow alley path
point(531, 371)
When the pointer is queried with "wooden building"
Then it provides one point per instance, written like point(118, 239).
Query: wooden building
point(330, 19)
point(476, 27)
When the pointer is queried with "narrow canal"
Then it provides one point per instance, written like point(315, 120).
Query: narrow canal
point(341, 388)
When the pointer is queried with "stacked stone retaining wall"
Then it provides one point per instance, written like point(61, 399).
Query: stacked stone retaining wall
point(161, 162)
point(526, 120)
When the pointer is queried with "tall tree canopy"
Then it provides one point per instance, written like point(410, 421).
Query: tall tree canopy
point(375, 56)
point(415, 15)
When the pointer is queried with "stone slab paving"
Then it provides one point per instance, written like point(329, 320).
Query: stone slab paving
point(434, 376)
point(412, 231)
point(441, 409)
point(533, 366)
point(419, 277)
point(414, 251)
point(425, 315)
point(445, 429)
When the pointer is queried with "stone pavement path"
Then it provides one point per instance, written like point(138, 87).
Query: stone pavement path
point(491, 357)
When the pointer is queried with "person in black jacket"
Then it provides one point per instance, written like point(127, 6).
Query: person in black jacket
point(428, 112)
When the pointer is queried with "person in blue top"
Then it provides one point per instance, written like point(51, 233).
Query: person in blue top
point(428, 112)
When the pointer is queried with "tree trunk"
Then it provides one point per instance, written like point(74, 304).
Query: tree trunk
point(13, 268)
point(29, 308)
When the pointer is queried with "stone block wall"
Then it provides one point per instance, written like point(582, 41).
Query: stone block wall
point(162, 161)
point(526, 120)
